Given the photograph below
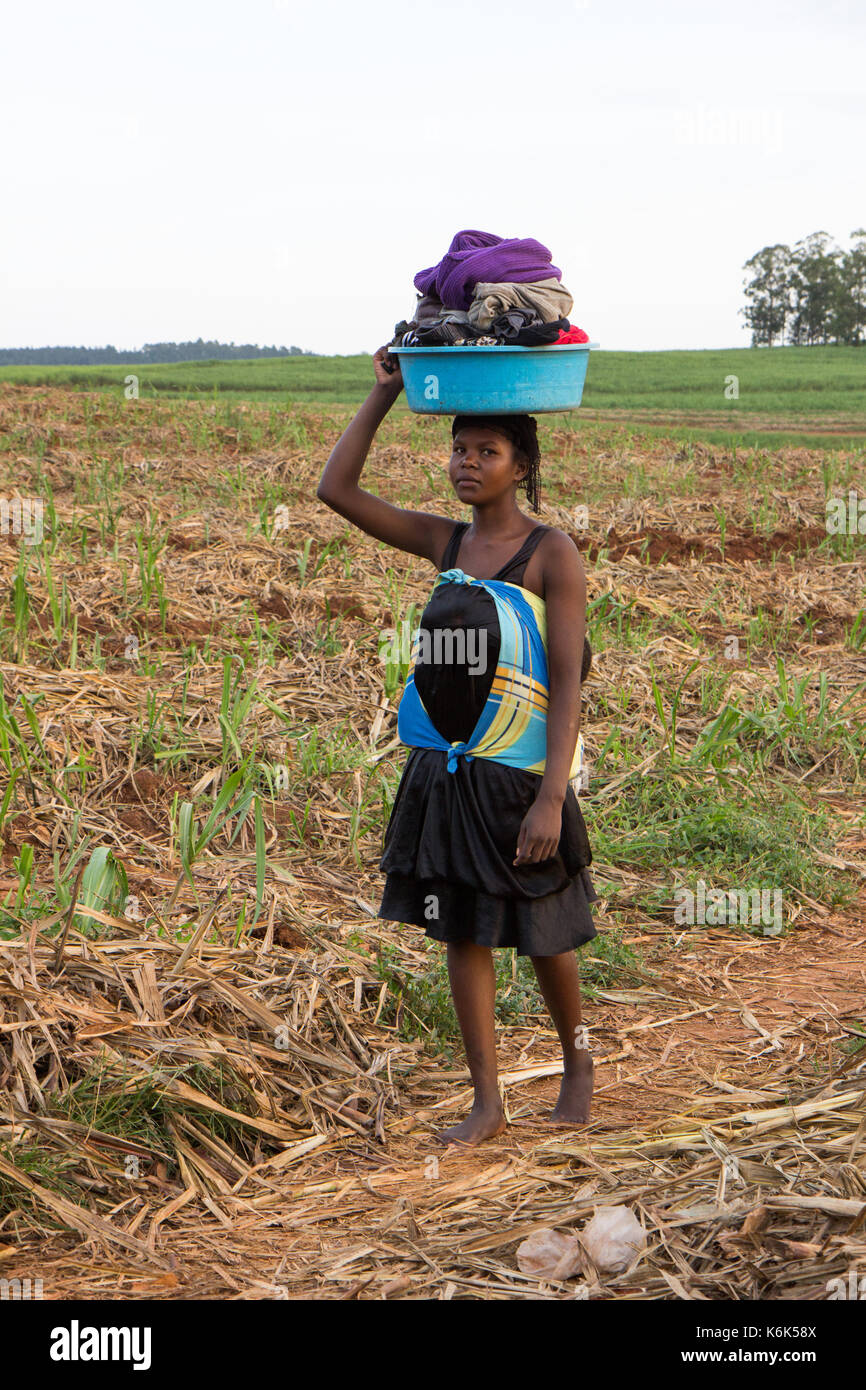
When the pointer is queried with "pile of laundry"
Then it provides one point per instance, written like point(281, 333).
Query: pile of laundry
point(490, 290)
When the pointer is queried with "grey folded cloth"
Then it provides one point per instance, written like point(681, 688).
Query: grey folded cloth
point(549, 299)
point(429, 310)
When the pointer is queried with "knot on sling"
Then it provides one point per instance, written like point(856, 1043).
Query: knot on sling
point(454, 753)
point(455, 576)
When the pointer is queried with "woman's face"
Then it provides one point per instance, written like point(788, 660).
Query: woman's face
point(483, 464)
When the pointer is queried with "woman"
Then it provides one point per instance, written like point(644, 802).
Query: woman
point(486, 845)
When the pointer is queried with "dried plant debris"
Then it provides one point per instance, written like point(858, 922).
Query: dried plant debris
point(221, 1075)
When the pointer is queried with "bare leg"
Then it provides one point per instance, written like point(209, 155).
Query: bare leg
point(559, 980)
point(473, 986)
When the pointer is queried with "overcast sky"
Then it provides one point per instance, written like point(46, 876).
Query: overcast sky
point(276, 171)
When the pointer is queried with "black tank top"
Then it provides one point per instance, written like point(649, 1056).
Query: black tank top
point(513, 571)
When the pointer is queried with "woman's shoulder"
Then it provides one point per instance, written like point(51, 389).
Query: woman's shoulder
point(558, 544)
point(559, 568)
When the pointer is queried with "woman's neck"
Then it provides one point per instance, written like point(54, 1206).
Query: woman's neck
point(496, 521)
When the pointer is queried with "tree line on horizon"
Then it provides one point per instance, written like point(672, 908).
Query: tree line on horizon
point(199, 351)
point(813, 292)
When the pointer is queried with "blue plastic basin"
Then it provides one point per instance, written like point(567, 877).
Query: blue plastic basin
point(493, 380)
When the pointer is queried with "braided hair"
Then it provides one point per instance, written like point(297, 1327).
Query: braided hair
point(522, 433)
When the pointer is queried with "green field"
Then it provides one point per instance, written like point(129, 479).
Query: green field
point(793, 394)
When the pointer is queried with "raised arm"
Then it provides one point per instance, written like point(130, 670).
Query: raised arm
point(420, 533)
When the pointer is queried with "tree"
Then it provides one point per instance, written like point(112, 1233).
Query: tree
point(768, 293)
point(815, 288)
point(815, 293)
point(849, 319)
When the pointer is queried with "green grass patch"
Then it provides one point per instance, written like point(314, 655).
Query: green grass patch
point(732, 836)
point(786, 381)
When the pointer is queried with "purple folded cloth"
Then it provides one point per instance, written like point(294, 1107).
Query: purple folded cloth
point(475, 256)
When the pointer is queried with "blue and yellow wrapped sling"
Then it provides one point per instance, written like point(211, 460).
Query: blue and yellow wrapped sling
point(512, 728)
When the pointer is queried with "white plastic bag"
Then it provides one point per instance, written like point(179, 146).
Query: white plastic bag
point(549, 1254)
point(612, 1239)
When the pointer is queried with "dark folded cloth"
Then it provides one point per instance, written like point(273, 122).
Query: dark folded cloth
point(522, 328)
point(433, 325)
point(437, 333)
point(514, 328)
point(400, 329)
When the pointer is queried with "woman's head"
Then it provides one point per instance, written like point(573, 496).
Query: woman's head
point(507, 445)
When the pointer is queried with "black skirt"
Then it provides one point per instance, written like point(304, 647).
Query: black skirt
point(448, 859)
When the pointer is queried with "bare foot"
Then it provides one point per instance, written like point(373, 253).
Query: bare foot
point(575, 1094)
point(480, 1124)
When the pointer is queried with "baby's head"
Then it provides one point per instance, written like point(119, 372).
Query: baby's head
point(521, 432)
